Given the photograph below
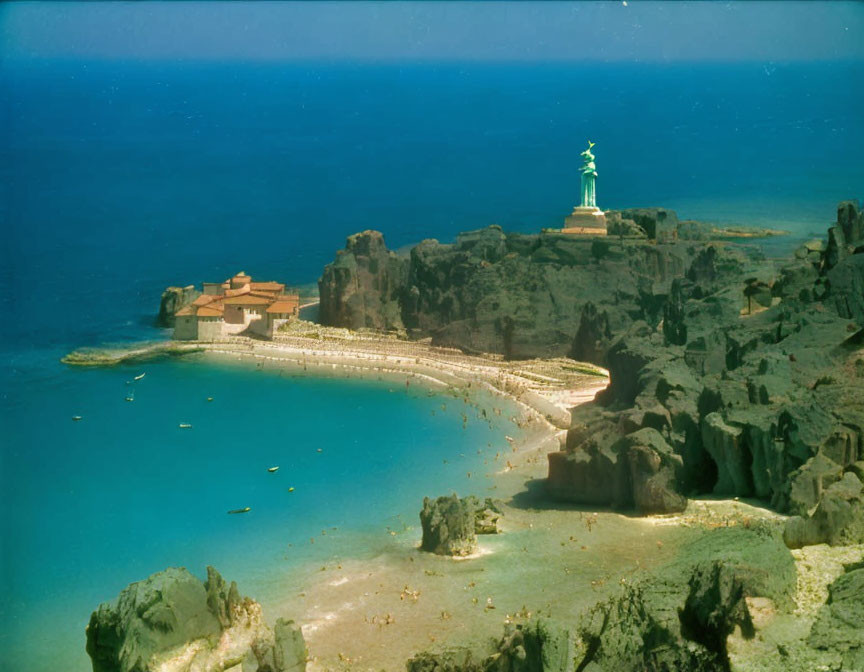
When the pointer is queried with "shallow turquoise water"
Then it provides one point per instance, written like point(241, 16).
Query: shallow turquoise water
point(95, 504)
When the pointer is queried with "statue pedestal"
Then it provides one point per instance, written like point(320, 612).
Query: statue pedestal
point(585, 220)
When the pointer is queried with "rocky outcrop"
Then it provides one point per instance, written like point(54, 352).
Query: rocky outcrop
point(593, 336)
point(490, 291)
point(838, 518)
point(638, 471)
point(653, 471)
point(172, 620)
point(753, 382)
point(451, 525)
point(363, 287)
point(838, 625)
point(658, 224)
point(173, 299)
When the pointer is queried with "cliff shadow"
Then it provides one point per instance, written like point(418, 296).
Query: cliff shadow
point(535, 497)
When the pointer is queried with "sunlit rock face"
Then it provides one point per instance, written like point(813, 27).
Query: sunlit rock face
point(173, 622)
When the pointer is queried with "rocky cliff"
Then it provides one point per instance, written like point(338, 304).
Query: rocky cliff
point(362, 287)
point(520, 295)
point(752, 385)
point(173, 299)
point(173, 621)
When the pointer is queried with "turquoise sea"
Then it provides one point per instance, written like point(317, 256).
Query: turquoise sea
point(119, 179)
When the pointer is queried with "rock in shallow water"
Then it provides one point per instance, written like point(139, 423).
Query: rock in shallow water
point(451, 525)
point(173, 621)
point(448, 526)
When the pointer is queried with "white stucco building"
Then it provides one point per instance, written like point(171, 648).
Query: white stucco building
point(237, 306)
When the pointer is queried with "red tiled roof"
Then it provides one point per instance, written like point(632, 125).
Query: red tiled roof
point(211, 311)
point(267, 286)
point(284, 304)
point(248, 299)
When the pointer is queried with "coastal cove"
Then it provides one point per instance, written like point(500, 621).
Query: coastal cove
point(363, 594)
point(665, 417)
point(131, 492)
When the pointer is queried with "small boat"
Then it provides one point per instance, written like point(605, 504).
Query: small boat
point(131, 397)
point(209, 398)
point(140, 376)
point(272, 470)
point(319, 450)
point(185, 425)
point(245, 509)
point(510, 439)
point(291, 489)
point(76, 418)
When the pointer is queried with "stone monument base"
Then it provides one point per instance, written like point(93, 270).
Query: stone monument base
point(585, 221)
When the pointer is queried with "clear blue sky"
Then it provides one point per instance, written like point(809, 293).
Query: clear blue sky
point(387, 31)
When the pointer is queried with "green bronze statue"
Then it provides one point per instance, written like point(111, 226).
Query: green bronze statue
point(589, 175)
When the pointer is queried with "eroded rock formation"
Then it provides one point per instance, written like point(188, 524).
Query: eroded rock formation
point(174, 622)
point(362, 288)
point(753, 385)
point(451, 525)
point(173, 299)
point(838, 625)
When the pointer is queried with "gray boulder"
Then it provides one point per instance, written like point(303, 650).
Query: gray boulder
point(850, 220)
point(449, 525)
point(172, 614)
point(839, 626)
point(838, 518)
point(653, 471)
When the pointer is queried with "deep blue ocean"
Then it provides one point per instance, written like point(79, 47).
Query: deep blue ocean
point(119, 179)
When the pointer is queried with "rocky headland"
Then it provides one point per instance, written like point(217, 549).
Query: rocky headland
point(514, 294)
point(173, 299)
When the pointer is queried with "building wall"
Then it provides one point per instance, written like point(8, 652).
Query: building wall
point(211, 328)
point(186, 327)
point(234, 315)
point(259, 323)
point(212, 288)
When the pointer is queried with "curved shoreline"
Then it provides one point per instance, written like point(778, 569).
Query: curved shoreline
point(548, 388)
